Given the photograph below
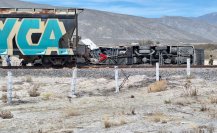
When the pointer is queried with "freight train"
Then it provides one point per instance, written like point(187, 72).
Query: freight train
point(49, 37)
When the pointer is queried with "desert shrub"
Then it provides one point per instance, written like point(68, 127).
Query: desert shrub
point(157, 117)
point(122, 122)
point(137, 85)
point(193, 92)
point(163, 131)
point(6, 115)
point(213, 100)
point(16, 96)
point(28, 79)
point(201, 129)
point(203, 108)
point(213, 114)
point(158, 86)
point(190, 93)
point(107, 123)
point(149, 42)
point(189, 90)
point(111, 123)
point(182, 102)
point(4, 98)
point(46, 96)
point(40, 131)
point(167, 101)
point(192, 76)
point(71, 112)
point(4, 89)
point(33, 92)
point(146, 42)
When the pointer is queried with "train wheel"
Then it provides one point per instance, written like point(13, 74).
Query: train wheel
point(23, 63)
point(46, 62)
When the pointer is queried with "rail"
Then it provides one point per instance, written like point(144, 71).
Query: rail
point(106, 66)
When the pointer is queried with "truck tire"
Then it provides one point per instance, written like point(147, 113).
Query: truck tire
point(199, 57)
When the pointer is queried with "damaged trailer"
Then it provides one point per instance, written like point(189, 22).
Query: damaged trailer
point(165, 55)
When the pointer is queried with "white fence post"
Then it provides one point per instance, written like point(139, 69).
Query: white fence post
point(9, 87)
point(73, 83)
point(188, 67)
point(117, 89)
point(157, 72)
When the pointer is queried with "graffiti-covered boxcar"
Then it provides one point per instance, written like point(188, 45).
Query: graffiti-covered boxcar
point(48, 35)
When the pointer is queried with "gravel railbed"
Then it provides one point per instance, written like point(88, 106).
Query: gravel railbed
point(205, 73)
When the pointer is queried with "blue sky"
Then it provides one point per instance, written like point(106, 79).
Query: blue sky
point(144, 8)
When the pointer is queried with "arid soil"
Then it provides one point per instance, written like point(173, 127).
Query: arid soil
point(188, 105)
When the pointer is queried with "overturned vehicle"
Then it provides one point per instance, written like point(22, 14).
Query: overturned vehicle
point(165, 55)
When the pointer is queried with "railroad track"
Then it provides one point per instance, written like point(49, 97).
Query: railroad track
point(105, 66)
point(144, 66)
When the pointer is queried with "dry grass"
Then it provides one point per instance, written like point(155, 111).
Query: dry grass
point(71, 112)
point(191, 77)
point(213, 100)
point(6, 115)
point(163, 131)
point(34, 91)
point(189, 90)
point(122, 122)
point(213, 114)
point(46, 96)
point(28, 79)
point(137, 85)
point(4, 89)
point(182, 102)
point(158, 86)
point(16, 96)
point(4, 98)
point(204, 128)
point(201, 129)
point(167, 101)
point(193, 92)
point(203, 108)
point(157, 117)
point(112, 123)
point(107, 122)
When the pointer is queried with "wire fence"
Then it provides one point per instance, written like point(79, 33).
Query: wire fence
point(74, 80)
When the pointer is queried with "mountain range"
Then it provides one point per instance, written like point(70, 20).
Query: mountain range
point(106, 28)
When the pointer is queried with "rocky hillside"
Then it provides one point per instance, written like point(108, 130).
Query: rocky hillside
point(209, 18)
point(104, 27)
